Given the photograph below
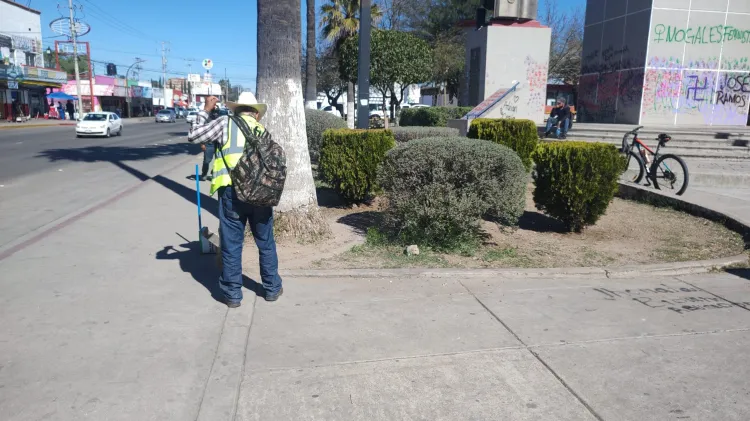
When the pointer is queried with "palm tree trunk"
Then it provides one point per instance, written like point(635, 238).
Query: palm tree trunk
point(311, 95)
point(279, 85)
point(350, 105)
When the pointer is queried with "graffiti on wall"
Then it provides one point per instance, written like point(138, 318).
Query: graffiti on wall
point(712, 97)
point(716, 34)
point(536, 75)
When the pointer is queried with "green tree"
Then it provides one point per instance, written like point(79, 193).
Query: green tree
point(67, 64)
point(396, 58)
point(339, 21)
point(449, 61)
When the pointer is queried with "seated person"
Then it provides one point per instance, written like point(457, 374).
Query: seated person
point(559, 118)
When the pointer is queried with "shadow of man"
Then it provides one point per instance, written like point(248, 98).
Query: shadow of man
point(202, 268)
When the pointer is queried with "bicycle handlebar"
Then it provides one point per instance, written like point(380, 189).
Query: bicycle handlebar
point(635, 131)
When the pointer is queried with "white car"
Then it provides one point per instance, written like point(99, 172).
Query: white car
point(191, 116)
point(99, 124)
point(165, 116)
point(331, 110)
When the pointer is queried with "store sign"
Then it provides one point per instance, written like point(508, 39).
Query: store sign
point(5, 41)
point(29, 45)
point(12, 84)
point(194, 77)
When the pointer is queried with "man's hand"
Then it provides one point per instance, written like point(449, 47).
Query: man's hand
point(210, 103)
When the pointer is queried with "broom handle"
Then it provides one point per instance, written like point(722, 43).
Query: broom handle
point(198, 195)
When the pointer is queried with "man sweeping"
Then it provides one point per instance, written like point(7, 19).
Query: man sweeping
point(236, 208)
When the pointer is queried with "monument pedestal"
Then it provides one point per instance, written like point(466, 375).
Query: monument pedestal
point(500, 55)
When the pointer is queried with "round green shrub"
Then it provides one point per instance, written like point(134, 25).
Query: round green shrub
point(519, 135)
point(576, 181)
point(431, 116)
point(318, 122)
point(349, 161)
point(438, 189)
point(406, 134)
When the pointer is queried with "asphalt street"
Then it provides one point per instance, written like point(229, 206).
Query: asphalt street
point(48, 174)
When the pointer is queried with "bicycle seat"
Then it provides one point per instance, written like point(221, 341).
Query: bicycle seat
point(664, 138)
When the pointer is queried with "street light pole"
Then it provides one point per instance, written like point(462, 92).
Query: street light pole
point(75, 60)
point(363, 72)
point(128, 99)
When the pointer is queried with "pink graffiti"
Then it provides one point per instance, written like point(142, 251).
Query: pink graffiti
point(536, 75)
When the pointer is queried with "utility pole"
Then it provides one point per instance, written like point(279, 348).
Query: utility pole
point(164, 51)
point(226, 86)
point(363, 72)
point(75, 61)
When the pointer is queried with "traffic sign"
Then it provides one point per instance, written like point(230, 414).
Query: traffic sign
point(208, 64)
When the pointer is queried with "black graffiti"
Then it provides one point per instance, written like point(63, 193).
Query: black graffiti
point(737, 83)
point(731, 98)
point(661, 289)
point(697, 88)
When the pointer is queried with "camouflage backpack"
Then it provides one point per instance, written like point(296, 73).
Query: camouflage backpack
point(259, 176)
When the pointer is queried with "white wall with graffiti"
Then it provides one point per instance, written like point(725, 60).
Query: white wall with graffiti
point(495, 62)
point(697, 69)
point(666, 62)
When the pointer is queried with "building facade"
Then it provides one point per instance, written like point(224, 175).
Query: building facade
point(24, 78)
point(666, 62)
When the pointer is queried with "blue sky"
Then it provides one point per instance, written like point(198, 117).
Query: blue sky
point(222, 30)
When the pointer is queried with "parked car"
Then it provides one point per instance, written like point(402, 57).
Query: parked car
point(166, 116)
point(191, 116)
point(99, 124)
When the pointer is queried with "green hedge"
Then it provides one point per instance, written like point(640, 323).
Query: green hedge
point(576, 181)
point(316, 123)
point(349, 160)
point(519, 135)
point(438, 190)
point(406, 134)
point(431, 116)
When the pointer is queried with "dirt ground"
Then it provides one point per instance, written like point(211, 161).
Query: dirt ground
point(630, 233)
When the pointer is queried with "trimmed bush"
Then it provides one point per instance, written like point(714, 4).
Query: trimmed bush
point(438, 189)
point(349, 160)
point(431, 116)
point(519, 135)
point(318, 122)
point(576, 181)
point(405, 134)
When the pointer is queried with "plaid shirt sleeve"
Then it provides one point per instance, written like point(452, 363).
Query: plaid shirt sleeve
point(204, 131)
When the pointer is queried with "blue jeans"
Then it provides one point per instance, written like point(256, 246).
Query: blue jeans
point(552, 121)
point(233, 218)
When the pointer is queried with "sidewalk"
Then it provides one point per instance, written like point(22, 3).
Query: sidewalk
point(40, 122)
point(112, 317)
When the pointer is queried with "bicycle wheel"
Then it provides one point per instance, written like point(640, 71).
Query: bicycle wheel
point(634, 170)
point(670, 172)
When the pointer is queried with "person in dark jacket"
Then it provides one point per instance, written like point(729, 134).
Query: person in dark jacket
point(559, 118)
point(71, 109)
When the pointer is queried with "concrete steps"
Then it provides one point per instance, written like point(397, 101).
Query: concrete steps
point(715, 156)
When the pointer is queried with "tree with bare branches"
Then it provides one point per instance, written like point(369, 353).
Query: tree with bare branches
point(567, 41)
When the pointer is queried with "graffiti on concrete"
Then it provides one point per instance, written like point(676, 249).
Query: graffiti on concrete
point(536, 75)
point(709, 96)
point(681, 300)
point(701, 34)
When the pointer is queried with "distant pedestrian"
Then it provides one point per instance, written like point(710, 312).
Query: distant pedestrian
point(559, 120)
point(61, 110)
point(71, 109)
point(234, 215)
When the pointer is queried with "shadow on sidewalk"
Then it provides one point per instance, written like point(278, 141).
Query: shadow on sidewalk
point(117, 154)
point(740, 272)
point(202, 267)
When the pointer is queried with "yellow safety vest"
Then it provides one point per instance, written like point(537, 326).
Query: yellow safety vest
point(232, 150)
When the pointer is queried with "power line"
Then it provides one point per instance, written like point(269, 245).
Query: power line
point(105, 17)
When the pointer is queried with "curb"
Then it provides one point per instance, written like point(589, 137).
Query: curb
point(32, 126)
point(221, 394)
point(659, 269)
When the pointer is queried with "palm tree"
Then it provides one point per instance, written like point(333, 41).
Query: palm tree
point(280, 86)
point(339, 21)
point(311, 85)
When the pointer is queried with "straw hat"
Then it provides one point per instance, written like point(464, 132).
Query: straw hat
point(247, 99)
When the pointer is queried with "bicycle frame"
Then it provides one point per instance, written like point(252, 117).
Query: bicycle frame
point(638, 143)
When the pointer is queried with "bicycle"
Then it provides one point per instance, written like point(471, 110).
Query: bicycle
point(667, 171)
